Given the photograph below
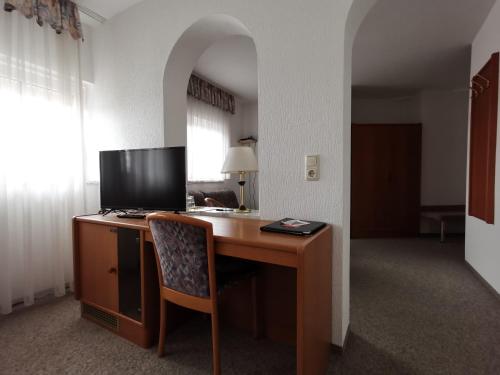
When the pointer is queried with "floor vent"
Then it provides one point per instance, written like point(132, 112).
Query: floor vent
point(100, 316)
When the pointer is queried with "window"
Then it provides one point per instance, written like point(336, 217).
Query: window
point(207, 141)
point(41, 167)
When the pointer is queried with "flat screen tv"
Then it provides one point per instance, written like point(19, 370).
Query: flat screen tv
point(149, 179)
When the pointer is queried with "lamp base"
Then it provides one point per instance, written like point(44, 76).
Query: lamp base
point(242, 209)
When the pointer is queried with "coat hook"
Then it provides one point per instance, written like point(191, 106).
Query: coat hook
point(483, 78)
point(476, 93)
point(481, 88)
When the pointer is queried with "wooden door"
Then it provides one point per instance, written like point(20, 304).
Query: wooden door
point(385, 180)
point(98, 265)
point(483, 138)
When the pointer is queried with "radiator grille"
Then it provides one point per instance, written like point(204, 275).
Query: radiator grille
point(100, 316)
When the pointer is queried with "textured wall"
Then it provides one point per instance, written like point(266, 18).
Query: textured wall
point(444, 115)
point(386, 111)
point(482, 240)
point(304, 100)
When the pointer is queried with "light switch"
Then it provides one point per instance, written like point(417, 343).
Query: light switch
point(312, 168)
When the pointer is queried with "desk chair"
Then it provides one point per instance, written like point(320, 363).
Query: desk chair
point(188, 272)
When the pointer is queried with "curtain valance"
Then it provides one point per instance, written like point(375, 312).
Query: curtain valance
point(61, 15)
point(202, 90)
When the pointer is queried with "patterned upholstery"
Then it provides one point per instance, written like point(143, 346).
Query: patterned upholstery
point(226, 197)
point(210, 202)
point(199, 198)
point(182, 251)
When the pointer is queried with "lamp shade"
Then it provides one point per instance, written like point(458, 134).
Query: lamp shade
point(240, 159)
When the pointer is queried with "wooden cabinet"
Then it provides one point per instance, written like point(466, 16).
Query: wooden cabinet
point(108, 265)
point(98, 252)
point(385, 173)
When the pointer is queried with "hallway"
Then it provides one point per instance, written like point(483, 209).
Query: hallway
point(417, 309)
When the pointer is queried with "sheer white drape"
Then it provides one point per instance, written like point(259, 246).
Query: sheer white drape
point(41, 183)
point(207, 141)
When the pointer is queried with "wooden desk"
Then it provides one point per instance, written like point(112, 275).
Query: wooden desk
point(310, 258)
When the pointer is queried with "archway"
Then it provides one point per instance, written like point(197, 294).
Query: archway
point(417, 97)
point(181, 61)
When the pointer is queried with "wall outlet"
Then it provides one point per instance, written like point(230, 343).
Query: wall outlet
point(312, 167)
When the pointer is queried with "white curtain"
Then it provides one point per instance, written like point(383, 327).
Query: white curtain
point(208, 139)
point(41, 183)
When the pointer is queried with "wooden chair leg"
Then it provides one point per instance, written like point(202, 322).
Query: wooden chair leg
point(215, 343)
point(161, 339)
point(257, 315)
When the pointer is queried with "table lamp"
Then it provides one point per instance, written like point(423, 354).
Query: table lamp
point(240, 160)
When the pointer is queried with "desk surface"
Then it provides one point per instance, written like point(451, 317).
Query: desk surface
point(238, 231)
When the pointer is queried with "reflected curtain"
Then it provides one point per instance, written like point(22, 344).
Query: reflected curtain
point(206, 92)
point(207, 141)
point(41, 171)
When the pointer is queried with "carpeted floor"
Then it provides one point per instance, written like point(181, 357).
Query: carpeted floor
point(415, 309)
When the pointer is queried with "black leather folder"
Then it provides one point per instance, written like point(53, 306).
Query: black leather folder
point(281, 226)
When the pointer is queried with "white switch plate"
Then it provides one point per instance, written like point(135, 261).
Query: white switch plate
point(312, 167)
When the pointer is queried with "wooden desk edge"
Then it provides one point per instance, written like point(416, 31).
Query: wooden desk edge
point(305, 240)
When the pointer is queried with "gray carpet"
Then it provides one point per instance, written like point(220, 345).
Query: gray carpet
point(416, 309)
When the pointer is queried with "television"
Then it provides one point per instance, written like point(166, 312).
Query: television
point(147, 179)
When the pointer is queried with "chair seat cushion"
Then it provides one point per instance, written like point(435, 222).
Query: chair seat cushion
point(230, 270)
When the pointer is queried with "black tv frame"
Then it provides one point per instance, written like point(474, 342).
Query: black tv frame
point(128, 208)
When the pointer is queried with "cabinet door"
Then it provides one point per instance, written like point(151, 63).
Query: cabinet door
point(385, 175)
point(99, 265)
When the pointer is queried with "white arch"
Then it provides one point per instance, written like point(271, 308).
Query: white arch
point(181, 61)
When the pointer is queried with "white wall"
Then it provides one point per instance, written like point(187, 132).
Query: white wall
point(404, 110)
point(304, 101)
point(444, 115)
point(482, 249)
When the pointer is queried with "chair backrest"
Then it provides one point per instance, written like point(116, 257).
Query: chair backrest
point(184, 253)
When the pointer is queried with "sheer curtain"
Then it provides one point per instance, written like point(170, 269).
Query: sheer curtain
point(207, 141)
point(41, 177)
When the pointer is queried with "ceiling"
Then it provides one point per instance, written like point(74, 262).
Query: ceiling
point(231, 63)
point(107, 8)
point(406, 45)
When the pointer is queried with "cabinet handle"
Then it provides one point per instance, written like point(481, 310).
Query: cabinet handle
point(112, 270)
point(113, 230)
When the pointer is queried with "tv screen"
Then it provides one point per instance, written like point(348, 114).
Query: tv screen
point(150, 179)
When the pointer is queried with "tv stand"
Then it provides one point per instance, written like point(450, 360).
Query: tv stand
point(105, 212)
point(132, 215)
point(135, 213)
